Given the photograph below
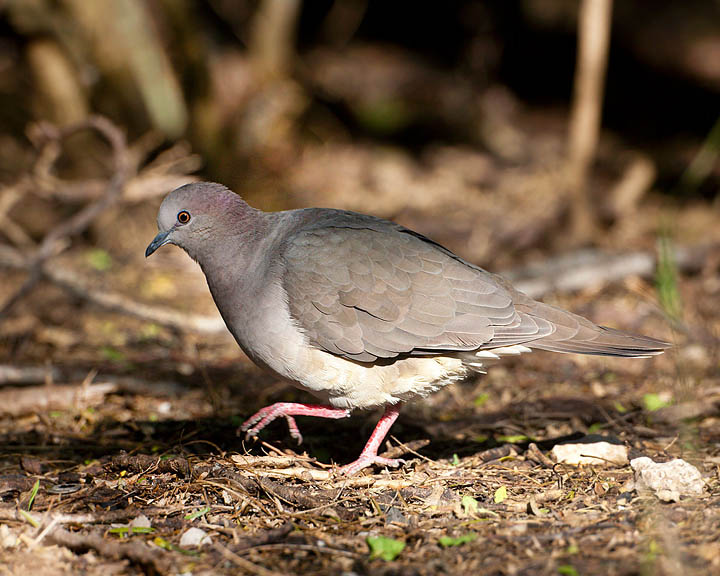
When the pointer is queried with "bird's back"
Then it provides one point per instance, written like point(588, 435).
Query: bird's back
point(366, 289)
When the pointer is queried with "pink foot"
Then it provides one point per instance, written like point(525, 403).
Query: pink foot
point(369, 455)
point(369, 460)
point(263, 417)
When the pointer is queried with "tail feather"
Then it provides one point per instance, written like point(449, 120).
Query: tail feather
point(609, 342)
point(576, 335)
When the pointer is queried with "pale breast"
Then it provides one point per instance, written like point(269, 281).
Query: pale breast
point(271, 337)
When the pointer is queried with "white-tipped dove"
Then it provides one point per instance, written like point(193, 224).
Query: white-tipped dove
point(359, 311)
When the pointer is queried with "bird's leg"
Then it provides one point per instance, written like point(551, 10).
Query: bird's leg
point(369, 455)
point(263, 417)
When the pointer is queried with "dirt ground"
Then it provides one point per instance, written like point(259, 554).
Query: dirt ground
point(118, 434)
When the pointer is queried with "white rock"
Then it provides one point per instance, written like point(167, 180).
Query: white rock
point(668, 480)
point(591, 453)
point(7, 538)
point(194, 538)
point(141, 521)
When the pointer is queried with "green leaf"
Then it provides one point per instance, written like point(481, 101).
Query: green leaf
point(201, 512)
point(500, 494)
point(384, 117)
point(99, 259)
point(666, 278)
point(165, 545)
point(469, 504)
point(455, 460)
point(386, 548)
point(112, 354)
point(33, 493)
point(515, 439)
point(653, 402)
point(480, 400)
point(567, 570)
point(446, 541)
point(131, 530)
point(595, 428)
point(619, 407)
point(34, 523)
point(150, 331)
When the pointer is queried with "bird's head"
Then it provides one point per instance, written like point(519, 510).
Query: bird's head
point(192, 215)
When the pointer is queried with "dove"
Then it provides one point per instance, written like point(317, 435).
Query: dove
point(360, 312)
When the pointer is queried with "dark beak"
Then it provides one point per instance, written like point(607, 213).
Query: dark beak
point(160, 240)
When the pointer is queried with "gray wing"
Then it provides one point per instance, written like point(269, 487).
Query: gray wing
point(369, 293)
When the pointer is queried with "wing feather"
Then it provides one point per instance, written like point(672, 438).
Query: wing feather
point(365, 288)
point(366, 294)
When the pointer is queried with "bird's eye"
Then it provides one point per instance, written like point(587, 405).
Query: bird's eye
point(183, 217)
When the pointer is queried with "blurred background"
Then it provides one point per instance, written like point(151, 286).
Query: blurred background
point(571, 145)
point(394, 108)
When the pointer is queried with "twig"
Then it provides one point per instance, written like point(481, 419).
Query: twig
point(411, 447)
point(243, 563)
point(635, 181)
point(135, 551)
point(11, 196)
point(534, 453)
point(309, 548)
point(79, 222)
point(69, 280)
point(98, 517)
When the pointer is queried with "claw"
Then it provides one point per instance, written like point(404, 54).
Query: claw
point(369, 456)
point(369, 460)
point(253, 425)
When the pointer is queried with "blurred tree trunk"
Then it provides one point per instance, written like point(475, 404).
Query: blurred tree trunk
point(272, 41)
point(59, 94)
point(270, 117)
point(127, 47)
point(594, 24)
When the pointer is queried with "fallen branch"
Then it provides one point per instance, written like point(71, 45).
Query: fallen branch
point(119, 303)
point(586, 268)
point(135, 551)
point(32, 375)
point(73, 283)
point(27, 375)
point(104, 517)
point(146, 464)
point(18, 401)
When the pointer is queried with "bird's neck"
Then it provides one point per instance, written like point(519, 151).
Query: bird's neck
point(240, 259)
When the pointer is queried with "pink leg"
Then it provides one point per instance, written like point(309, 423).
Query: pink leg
point(369, 455)
point(263, 417)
